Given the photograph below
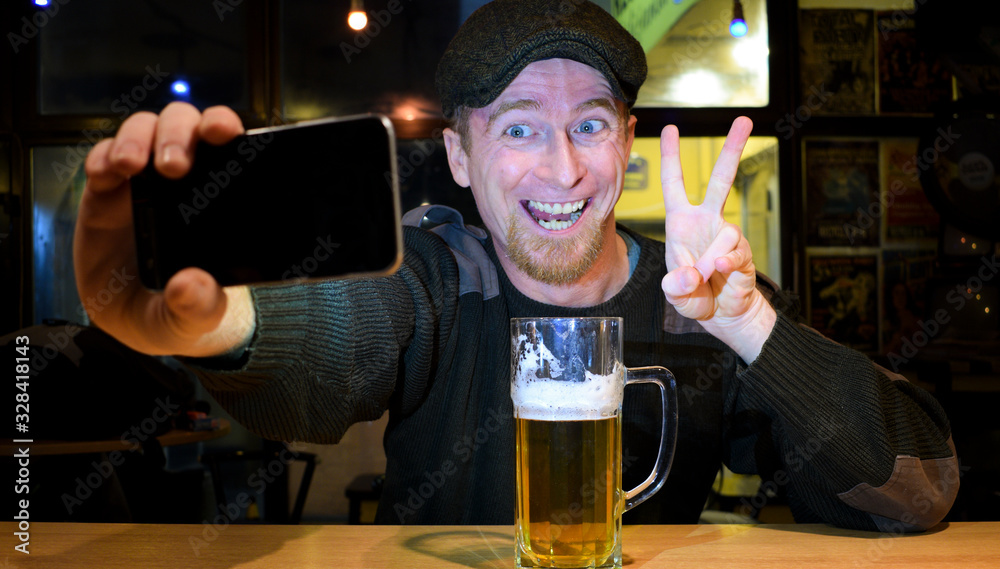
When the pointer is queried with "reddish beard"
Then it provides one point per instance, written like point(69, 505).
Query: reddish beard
point(551, 259)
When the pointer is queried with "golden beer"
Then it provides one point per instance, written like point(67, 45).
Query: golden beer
point(569, 496)
point(567, 383)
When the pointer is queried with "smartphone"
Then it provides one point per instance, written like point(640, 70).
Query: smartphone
point(313, 200)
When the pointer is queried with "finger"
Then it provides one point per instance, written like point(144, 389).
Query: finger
point(671, 174)
point(724, 172)
point(102, 241)
point(739, 259)
point(176, 137)
point(680, 282)
point(724, 243)
point(102, 175)
point(105, 203)
point(219, 125)
point(129, 150)
point(103, 245)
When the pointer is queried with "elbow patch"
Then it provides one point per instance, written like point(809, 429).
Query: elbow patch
point(917, 495)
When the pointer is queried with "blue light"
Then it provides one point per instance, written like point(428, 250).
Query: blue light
point(181, 88)
point(42, 3)
point(738, 28)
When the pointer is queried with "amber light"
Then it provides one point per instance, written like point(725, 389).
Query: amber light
point(357, 19)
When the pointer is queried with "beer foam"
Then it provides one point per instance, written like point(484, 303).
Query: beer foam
point(591, 398)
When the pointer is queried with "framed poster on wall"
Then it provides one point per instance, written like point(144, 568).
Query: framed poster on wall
point(843, 298)
point(842, 193)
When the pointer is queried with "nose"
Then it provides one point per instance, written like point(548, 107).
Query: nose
point(561, 166)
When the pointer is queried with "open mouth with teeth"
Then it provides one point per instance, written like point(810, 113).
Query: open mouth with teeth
point(555, 216)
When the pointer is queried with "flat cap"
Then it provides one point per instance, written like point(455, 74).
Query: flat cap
point(502, 37)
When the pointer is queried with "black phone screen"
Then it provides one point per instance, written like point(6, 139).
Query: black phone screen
point(312, 200)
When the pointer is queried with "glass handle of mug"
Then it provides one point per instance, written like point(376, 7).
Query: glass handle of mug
point(665, 380)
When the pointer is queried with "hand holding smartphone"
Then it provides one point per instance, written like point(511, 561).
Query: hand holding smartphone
point(314, 200)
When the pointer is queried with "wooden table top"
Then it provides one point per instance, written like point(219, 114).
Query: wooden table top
point(154, 546)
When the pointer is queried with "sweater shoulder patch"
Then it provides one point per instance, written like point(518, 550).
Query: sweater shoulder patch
point(674, 323)
point(476, 271)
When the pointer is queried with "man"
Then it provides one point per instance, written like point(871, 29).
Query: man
point(540, 93)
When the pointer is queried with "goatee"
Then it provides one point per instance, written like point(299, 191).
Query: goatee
point(554, 260)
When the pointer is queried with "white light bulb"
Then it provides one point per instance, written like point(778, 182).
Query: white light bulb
point(357, 20)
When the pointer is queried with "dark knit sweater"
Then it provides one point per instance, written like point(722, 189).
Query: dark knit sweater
point(809, 415)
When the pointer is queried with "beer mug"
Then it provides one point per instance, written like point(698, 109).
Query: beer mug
point(567, 385)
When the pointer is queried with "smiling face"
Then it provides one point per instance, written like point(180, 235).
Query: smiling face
point(546, 161)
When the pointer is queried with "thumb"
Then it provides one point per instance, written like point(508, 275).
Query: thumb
point(192, 304)
point(680, 283)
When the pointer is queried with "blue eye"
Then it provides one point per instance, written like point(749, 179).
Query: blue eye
point(519, 131)
point(591, 126)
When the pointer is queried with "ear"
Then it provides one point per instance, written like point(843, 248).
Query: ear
point(630, 136)
point(457, 158)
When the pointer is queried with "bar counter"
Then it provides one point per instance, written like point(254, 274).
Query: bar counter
point(155, 546)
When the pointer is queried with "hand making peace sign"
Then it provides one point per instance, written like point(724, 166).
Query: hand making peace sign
point(711, 276)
